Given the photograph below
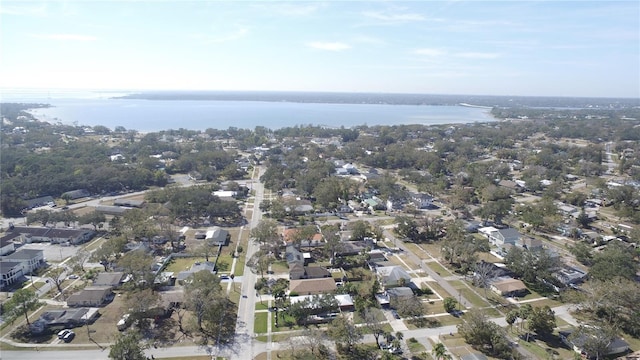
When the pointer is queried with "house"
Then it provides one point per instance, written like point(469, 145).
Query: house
point(297, 272)
point(41, 201)
point(529, 243)
point(7, 244)
point(113, 279)
point(500, 237)
point(29, 259)
point(401, 292)
point(616, 346)
point(217, 236)
point(30, 234)
point(199, 266)
point(112, 210)
point(569, 275)
point(312, 286)
point(11, 273)
point(345, 302)
point(393, 276)
point(423, 201)
point(374, 204)
point(129, 203)
point(225, 194)
point(91, 296)
point(349, 248)
point(64, 318)
point(75, 194)
point(295, 256)
point(506, 286)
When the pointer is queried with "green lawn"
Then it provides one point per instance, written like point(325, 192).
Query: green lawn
point(260, 324)
point(441, 270)
point(180, 264)
point(415, 347)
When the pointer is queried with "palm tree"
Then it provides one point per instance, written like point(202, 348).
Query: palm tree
point(439, 352)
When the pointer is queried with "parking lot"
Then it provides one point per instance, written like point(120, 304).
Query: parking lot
point(53, 253)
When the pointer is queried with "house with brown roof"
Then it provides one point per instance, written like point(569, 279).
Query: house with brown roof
point(298, 271)
point(508, 287)
point(312, 286)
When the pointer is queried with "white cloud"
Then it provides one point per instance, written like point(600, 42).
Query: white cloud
point(429, 52)
point(394, 17)
point(65, 37)
point(329, 46)
point(478, 55)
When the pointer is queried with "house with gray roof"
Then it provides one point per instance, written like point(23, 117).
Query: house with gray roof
point(10, 273)
point(29, 259)
point(199, 266)
point(393, 276)
point(64, 318)
point(91, 296)
point(7, 244)
point(113, 279)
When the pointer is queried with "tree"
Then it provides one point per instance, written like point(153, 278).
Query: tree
point(512, 317)
point(373, 320)
point(439, 352)
point(531, 264)
point(77, 262)
point(457, 247)
point(449, 304)
point(140, 302)
point(524, 313)
point(483, 275)
point(266, 234)
point(594, 341)
point(614, 261)
point(612, 302)
point(259, 262)
point(128, 346)
point(542, 321)
point(360, 229)
point(213, 315)
point(94, 218)
point(138, 263)
point(344, 332)
point(109, 251)
point(582, 252)
point(22, 301)
point(58, 275)
point(478, 330)
point(408, 307)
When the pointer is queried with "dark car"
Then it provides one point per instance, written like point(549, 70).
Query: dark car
point(395, 314)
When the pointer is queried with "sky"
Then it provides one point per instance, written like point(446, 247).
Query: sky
point(542, 48)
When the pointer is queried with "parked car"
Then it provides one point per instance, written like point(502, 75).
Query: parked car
point(73, 276)
point(63, 333)
point(70, 335)
point(395, 314)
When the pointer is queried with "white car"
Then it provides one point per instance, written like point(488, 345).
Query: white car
point(63, 333)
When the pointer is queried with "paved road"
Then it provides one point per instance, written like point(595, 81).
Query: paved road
point(246, 307)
